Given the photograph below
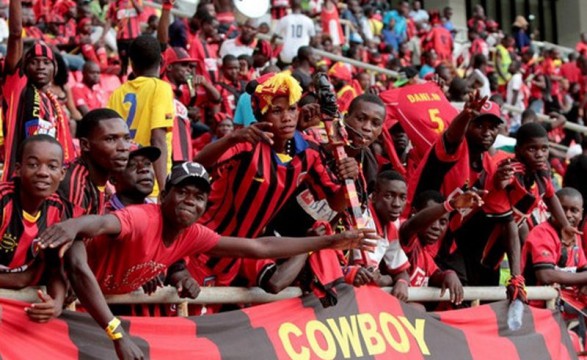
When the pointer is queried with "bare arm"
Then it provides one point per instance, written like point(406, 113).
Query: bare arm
point(88, 291)
point(285, 274)
point(15, 44)
point(158, 139)
point(283, 247)
point(550, 276)
point(75, 114)
point(137, 5)
point(455, 134)
point(65, 232)
point(421, 220)
point(163, 28)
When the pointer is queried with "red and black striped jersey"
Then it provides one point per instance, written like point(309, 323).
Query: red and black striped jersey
point(126, 19)
point(80, 191)
point(27, 111)
point(19, 230)
point(250, 185)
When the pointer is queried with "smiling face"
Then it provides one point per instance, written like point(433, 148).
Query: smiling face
point(284, 118)
point(573, 209)
point(183, 204)
point(41, 169)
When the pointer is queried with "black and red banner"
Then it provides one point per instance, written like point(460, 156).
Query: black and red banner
point(366, 323)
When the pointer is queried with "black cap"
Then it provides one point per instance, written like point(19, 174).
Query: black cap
point(188, 170)
point(150, 152)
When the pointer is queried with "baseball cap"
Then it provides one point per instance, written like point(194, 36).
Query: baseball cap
point(490, 110)
point(188, 170)
point(177, 54)
point(150, 152)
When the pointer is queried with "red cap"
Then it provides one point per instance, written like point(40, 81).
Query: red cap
point(340, 71)
point(490, 108)
point(176, 54)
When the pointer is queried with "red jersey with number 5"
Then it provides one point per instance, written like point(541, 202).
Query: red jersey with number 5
point(423, 112)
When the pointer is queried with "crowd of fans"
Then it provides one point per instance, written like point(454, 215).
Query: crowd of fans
point(177, 150)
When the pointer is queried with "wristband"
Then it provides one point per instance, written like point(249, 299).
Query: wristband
point(447, 206)
point(167, 6)
point(112, 326)
point(402, 281)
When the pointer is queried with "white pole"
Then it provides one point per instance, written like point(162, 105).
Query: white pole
point(235, 295)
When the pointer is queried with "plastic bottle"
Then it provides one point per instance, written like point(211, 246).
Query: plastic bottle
point(515, 313)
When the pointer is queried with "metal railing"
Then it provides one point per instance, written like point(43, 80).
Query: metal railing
point(237, 295)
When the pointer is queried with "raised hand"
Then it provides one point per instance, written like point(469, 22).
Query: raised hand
point(471, 199)
point(475, 103)
point(504, 174)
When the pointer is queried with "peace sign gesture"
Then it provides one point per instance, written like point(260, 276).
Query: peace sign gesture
point(475, 103)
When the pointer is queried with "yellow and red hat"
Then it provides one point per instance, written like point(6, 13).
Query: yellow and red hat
point(270, 86)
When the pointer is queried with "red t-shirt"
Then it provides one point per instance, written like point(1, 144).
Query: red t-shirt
point(423, 112)
point(581, 48)
point(126, 18)
point(422, 265)
point(93, 98)
point(571, 72)
point(543, 249)
point(138, 254)
point(206, 55)
point(441, 41)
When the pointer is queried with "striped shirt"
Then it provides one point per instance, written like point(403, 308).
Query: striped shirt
point(250, 184)
point(126, 18)
point(80, 191)
point(19, 230)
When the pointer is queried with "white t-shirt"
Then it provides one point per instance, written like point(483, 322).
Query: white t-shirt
point(388, 248)
point(296, 31)
point(515, 84)
point(485, 89)
point(234, 47)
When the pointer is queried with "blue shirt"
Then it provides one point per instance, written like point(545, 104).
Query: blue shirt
point(243, 114)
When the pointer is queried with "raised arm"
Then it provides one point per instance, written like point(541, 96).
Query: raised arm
point(15, 45)
point(455, 134)
point(426, 217)
point(283, 247)
point(164, 20)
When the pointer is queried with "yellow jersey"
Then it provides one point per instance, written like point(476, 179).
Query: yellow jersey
point(146, 103)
